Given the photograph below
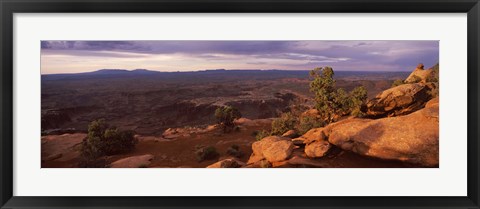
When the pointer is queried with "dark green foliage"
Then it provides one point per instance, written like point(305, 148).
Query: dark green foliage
point(206, 153)
point(357, 98)
point(262, 134)
point(235, 151)
point(226, 115)
point(332, 103)
point(308, 122)
point(398, 82)
point(287, 121)
point(323, 86)
point(104, 140)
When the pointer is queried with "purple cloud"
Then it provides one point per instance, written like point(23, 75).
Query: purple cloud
point(394, 55)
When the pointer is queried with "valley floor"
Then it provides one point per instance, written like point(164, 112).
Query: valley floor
point(62, 151)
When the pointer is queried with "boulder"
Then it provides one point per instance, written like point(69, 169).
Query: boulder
point(412, 138)
point(272, 148)
point(317, 149)
point(399, 100)
point(278, 151)
point(133, 162)
point(227, 163)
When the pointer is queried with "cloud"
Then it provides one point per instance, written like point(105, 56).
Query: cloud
point(391, 55)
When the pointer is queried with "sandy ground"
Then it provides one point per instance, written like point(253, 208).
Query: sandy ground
point(61, 151)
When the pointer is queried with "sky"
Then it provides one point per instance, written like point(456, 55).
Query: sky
point(168, 56)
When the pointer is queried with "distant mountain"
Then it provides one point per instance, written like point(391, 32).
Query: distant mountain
point(115, 72)
point(220, 74)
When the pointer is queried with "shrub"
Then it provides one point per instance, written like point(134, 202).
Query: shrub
point(308, 122)
point(287, 121)
point(357, 98)
point(332, 103)
point(323, 86)
point(235, 151)
point(206, 153)
point(104, 140)
point(262, 134)
point(226, 115)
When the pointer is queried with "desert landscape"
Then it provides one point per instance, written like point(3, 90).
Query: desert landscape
point(237, 118)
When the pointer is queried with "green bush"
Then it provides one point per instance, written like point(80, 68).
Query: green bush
point(287, 121)
point(323, 86)
point(262, 134)
point(397, 82)
point(308, 122)
point(235, 151)
point(357, 98)
point(103, 140)
point(226, 115)
point(206, 153)
point(332, 103)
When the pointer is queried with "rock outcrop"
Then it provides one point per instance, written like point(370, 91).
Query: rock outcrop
point(249, 122)
point(421, 75)
point(400, 100)
point(272, 148)
point(173, 133)
point(412, 138)
point(133, 162)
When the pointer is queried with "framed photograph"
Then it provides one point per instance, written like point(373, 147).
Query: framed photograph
point(239, 104)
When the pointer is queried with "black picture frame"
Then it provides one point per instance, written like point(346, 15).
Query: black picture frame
point(9, 7)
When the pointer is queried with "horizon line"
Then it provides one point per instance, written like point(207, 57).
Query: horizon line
point(205, 70)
